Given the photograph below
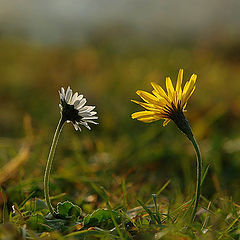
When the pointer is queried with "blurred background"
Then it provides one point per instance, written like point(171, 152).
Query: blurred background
point(107, 50)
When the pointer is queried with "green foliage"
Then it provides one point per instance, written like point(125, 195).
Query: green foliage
point(68, 210)
point(101, 218)
point(37, 222)
point(38, 205)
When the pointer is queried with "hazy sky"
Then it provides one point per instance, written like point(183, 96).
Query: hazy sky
point(62, 20)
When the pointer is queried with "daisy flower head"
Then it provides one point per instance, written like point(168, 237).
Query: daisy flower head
point(169, 105)
point(74, 110)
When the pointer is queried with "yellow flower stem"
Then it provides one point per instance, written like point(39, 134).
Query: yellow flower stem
point(199, 173)
point(49, 165)
point(184, 126)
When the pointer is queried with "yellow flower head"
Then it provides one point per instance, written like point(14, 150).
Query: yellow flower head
point(168, 106)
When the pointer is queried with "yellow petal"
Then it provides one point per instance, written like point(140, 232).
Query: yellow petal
point(193, 78)
point(146, 116)
point(166, 122)
point(148, 106)
point(189, 95)
point(188, 88)
point(147, 97)
point(157, 94)
point(149, 119)
point(159, 90)
point(143, 114)
point(175, 99)
point(179, 84)
point(162, 101)
point(169, 87)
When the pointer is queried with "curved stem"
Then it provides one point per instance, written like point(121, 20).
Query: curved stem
point(183, 125)
point(49, 165)
point(199, 175)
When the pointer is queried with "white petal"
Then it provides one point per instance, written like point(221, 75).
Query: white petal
point(69, 96)
point(77, 123)
point(60, 106)
point(61, 96)
point(90, 118)
point(76, 103)
point(87, 109)
point(68, 89)
point(80, 97)
point(85, 125)
point(90, 121)
point(70, 99)
point(75, 126)
point(74, 98)
point(85, 114)
point(90, 108)
point(80, 113)
point(63, 91)
point(82, 103)
point(93, 113)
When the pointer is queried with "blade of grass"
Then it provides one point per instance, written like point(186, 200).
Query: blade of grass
point(93, 231)
point(167, 217)
point(180, 208)
point(125, 215)
point(99, 191)
point(114, 222)
point(156, 208)
point(124, 193)
point(205, 174)
point(148, 211)
point(193, 199)
point(232, 224)
point(207, 216)
point(159, 191)
point(30, 195)
point(57, 196)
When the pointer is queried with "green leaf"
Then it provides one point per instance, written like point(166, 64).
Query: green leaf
point(101, 218)
point(35, 205)
point(37, 222)
point(68, 210)
point(61, 225)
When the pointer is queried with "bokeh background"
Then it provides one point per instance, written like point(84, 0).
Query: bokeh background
point(107, 50)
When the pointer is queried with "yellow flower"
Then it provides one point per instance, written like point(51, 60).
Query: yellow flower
point(168, 105)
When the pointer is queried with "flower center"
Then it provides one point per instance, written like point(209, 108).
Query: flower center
point(69, 113)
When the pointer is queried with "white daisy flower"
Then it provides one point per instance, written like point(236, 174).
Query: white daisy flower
point(74, 110)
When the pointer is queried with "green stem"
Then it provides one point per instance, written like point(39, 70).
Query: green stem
point(199, 175)
point(49, 165)
point(182, 123)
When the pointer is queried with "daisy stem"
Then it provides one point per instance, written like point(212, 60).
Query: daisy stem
point(199, 173)
point(49, 165)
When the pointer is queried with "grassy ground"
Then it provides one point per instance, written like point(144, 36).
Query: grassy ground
point(112, 171)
